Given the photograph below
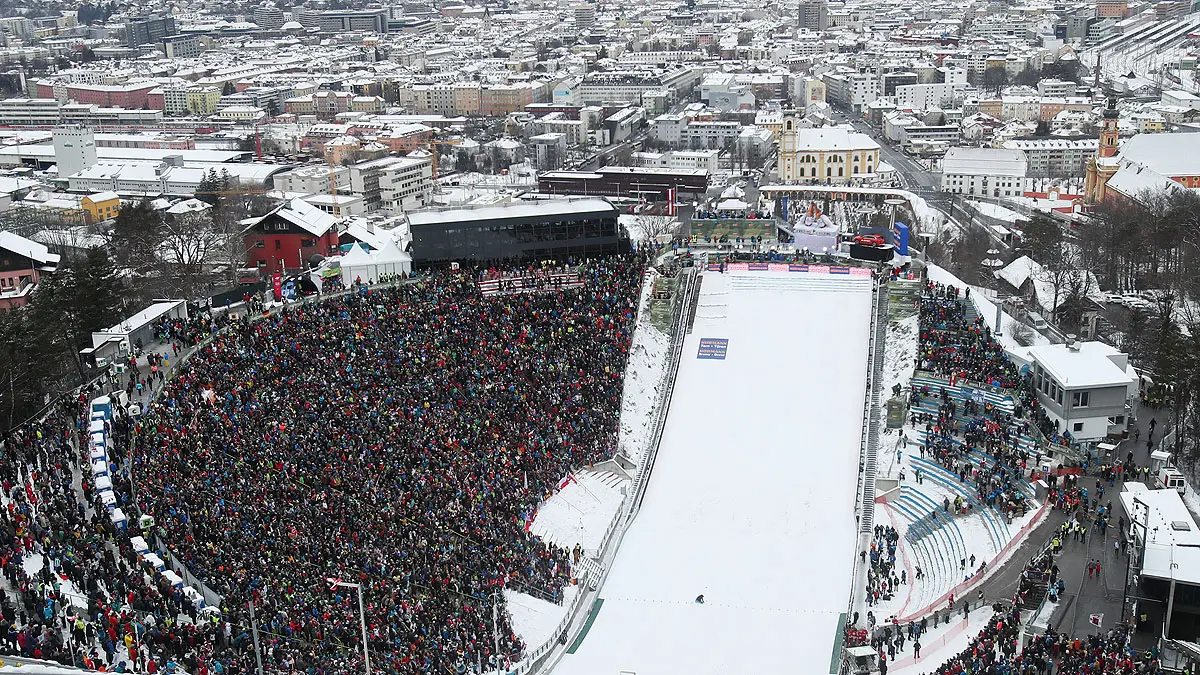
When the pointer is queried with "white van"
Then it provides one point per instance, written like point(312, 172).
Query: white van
point(1037, 321)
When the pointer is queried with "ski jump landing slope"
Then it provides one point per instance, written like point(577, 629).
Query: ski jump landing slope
point(751, 500)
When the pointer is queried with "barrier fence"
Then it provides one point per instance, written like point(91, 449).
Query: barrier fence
point(791, 267)
point(864, 511)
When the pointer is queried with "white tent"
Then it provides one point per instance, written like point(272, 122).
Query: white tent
point(357, 264)
point(732, 205)
point(391, 260)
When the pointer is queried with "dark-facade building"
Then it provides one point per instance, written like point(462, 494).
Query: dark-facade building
point(148, 30)
point(813, 15)
point(651, 184)
point(535, 230)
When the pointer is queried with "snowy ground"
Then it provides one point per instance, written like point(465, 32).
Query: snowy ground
point(733, 509)
point(535, 619)
point(899, 355)
point(580, 512)
point(643, 379)
point(995, 211)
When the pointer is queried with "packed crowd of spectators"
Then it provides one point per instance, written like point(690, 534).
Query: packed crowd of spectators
point(996, 649)
point(77, 593)
point(400, 438)
point(954, 348)
point(883, 579)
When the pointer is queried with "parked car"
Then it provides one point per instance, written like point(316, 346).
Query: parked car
point(870, 240)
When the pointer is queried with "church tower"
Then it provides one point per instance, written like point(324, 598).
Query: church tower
point(1108, 132)
point(1102, 167)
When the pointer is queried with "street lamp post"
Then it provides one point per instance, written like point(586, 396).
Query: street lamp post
point(993, 263)
point(362, 616)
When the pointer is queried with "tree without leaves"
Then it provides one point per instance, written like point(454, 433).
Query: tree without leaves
point(653, 227)
point(191, 244)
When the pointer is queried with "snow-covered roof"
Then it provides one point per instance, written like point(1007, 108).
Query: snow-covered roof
point(1172, 546)
point(192, 205)
point(301, 214)
point(1093, 365)
point(102, 196)
point(1024, 269)
point(28, 248)
point(1171, 155)
point(144, 317)
point(984, 162)
point(833, 139)
point(305, 216)
point(1135, 180)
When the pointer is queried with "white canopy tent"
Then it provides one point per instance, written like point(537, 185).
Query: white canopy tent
point(359, 265)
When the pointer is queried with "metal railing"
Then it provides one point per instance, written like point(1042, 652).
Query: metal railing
point(864, 511)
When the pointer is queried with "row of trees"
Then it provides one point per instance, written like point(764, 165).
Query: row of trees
point(40, 342)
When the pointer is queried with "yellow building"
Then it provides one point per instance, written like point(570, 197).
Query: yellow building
point(202, 100)
point(100, 206)
point(825, 155)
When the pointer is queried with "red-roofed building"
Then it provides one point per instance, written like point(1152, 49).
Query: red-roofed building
point(288, 237)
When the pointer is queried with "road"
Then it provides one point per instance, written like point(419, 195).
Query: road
point(913, 174)
point(1084, 594)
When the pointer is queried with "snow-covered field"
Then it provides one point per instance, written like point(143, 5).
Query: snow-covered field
point(751, 501)
point(995, 211)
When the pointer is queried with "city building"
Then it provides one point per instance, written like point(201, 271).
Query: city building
point(825, 154)
point(148, 30)
point(74, 149)
point(1164, 561)
point(182, 46)
point(1086, 388)
point(397, 184)
point(100, 206)
point(22, 264)
point(813, 15)
point(987, 172)
point(268, 16)
point(550, 228)
point(314, 179)
point(1056, 157)
point(343, 21)
point(651, 184)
